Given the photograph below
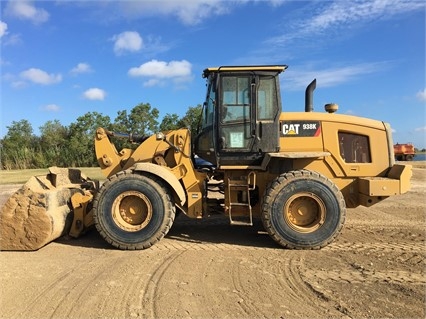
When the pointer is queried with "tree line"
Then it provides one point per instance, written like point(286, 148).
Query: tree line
point(73, 145)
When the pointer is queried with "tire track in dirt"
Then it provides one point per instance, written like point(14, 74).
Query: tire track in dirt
point(299, 291)
point(405, 253)
point(375, 267)
point(416, 247)
point(34, 303)
point(168, 246)
point(123, 285)
point(62, 298)
point(71, 301)
point(149, 293)
point(128, 289)
point(362, 275)
point(229, 284)
point(245, 302)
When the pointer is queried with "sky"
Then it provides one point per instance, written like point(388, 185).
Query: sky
point(62, 59)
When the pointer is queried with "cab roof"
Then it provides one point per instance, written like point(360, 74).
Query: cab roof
point(266, 68)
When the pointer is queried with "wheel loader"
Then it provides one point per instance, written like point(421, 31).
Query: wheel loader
point(296, 172)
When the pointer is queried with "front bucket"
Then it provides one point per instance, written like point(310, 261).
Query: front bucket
point(40, 211)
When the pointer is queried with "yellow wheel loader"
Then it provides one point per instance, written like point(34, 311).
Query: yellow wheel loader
point(295, 171)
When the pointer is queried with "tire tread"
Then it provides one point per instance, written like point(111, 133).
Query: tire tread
point(170, 211)
point(277, 184)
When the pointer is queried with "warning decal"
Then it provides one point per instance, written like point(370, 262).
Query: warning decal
point(300, 128)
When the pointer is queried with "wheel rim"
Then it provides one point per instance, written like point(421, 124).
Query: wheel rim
point(304, 212)
point(132, 211)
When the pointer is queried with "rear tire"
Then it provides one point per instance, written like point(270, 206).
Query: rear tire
point(133, 211)
point(409, 157)
point(303, 210)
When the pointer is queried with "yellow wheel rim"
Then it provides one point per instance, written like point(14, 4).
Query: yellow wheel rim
point(132, 211)
point(304, 212)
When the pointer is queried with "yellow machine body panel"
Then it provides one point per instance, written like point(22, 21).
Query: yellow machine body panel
point(166, 155)
point(357, 154)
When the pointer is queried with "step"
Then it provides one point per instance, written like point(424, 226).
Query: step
point(241, 222)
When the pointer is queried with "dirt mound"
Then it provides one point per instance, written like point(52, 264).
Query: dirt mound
point(39, 212)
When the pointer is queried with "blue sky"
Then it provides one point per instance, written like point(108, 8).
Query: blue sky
point(62, 59)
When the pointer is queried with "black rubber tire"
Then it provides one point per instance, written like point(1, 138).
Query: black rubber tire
point(287, 187)
point(155, 193)
point(409, 157)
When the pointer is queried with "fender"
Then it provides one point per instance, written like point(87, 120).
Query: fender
point(165, 175)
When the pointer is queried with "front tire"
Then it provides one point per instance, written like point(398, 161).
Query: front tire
point(133, 211)
point(303, 210)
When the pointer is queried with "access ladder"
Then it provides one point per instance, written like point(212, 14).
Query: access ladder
point(244, 185)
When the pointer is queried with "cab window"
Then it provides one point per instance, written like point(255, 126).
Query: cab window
point(354, 148)
point(266, 100)
point(235, 99)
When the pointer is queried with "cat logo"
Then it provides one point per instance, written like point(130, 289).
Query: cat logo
point(300, 128)
point(291, 129)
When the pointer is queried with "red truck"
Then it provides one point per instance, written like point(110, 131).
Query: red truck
point(404, 152)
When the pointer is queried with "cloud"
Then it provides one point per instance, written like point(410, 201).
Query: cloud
point(19, 84)
point(347, 12)
point(51, 108)
point(12, 39)
point(189, 12)
point(153, 46)
point(162, 69)
point(420, 129)
point(127, 41)
point(300, 78)
point(421, 95)
point(155, 71)
point(330, 16)
point(25, 10)
point(40, 77)
point(94, 94)
point(3, 28)
point(81, 68)
point(152, 82)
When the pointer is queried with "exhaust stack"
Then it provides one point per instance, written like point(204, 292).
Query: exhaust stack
point(309, 97)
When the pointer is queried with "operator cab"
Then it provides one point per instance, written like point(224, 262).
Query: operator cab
point(240, 117)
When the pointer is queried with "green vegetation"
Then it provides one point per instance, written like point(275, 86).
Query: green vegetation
point(72, 146)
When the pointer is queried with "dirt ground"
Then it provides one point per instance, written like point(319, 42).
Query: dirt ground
point(209, 269)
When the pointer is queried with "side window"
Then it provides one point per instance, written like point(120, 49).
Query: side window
point(266, 106)
point(354, 148)
point(209, 107)
point(235, 99)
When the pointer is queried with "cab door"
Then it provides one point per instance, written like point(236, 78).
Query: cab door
point(204, 144)
point(235, 127)
point(248, 118)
